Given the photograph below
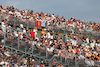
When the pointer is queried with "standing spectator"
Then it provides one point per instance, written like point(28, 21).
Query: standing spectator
point(35, 30)
point(48, 34)
point(64, 38)
point(24, 30)
point(43, 32)
point(32, 34)
point(19, 29)
point(21, 25)
point(17, 34)
point(3, 26)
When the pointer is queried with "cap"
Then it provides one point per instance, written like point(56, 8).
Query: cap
point(33, 60)
point(41, 61)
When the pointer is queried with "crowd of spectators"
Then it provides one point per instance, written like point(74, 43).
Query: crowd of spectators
point(55, 20)
point(84, 47)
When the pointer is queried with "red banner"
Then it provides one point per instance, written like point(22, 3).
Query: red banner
point(38, 23)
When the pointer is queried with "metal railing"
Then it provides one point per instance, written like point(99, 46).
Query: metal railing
point(40, 53)
point(52, 26)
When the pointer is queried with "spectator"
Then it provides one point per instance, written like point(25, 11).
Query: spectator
point(60, 65)
point(3, 26)
point(32, 34)
point(35, 30)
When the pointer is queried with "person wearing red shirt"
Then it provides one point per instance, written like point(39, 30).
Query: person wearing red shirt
point(32, 34)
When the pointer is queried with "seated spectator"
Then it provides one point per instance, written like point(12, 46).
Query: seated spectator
point(50, 49)
point(60, 65)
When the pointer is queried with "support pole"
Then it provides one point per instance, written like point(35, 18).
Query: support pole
point(32, 50)
point(76, 62)
point(25, 51)
point(46, 53)
point(4, 44)
point(4, 38)
point(61, 58)
point(18, 43)
point(11, 48)
point(20, 60)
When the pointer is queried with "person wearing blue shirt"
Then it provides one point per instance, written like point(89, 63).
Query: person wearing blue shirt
point(12, 63)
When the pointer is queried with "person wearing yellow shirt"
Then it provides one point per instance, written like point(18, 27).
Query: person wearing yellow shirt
point(43, 32)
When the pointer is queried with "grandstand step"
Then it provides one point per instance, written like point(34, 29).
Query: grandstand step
point(57, 59)
point(8, 43)
point(65, 63)
point(72, 63)
point(50, 56)
point(22, 48)
point(14, 45)
point(42, 54)
point(36, 52)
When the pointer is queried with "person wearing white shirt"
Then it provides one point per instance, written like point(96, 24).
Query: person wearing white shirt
point(98, 44)
point(82, 57)
point(50, 49)
point(23, 65)
point(3, 26)
point(21, 36)
point(17, 33)
point(50, 42)
point(21, 25)
point(31, 18)
point(51, 36)
point(92, 45)
point(10, 12)
point(35, 30)
point(94, 41)
point(24, 31)
point(3, 62)
point(89, 62)
point(53, 15)
point(7, 53)
point(87, 39)
point(48, 35)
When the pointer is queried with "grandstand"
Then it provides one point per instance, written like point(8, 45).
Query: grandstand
point(50, 39)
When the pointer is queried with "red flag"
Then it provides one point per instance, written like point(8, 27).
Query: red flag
point(38, 23)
